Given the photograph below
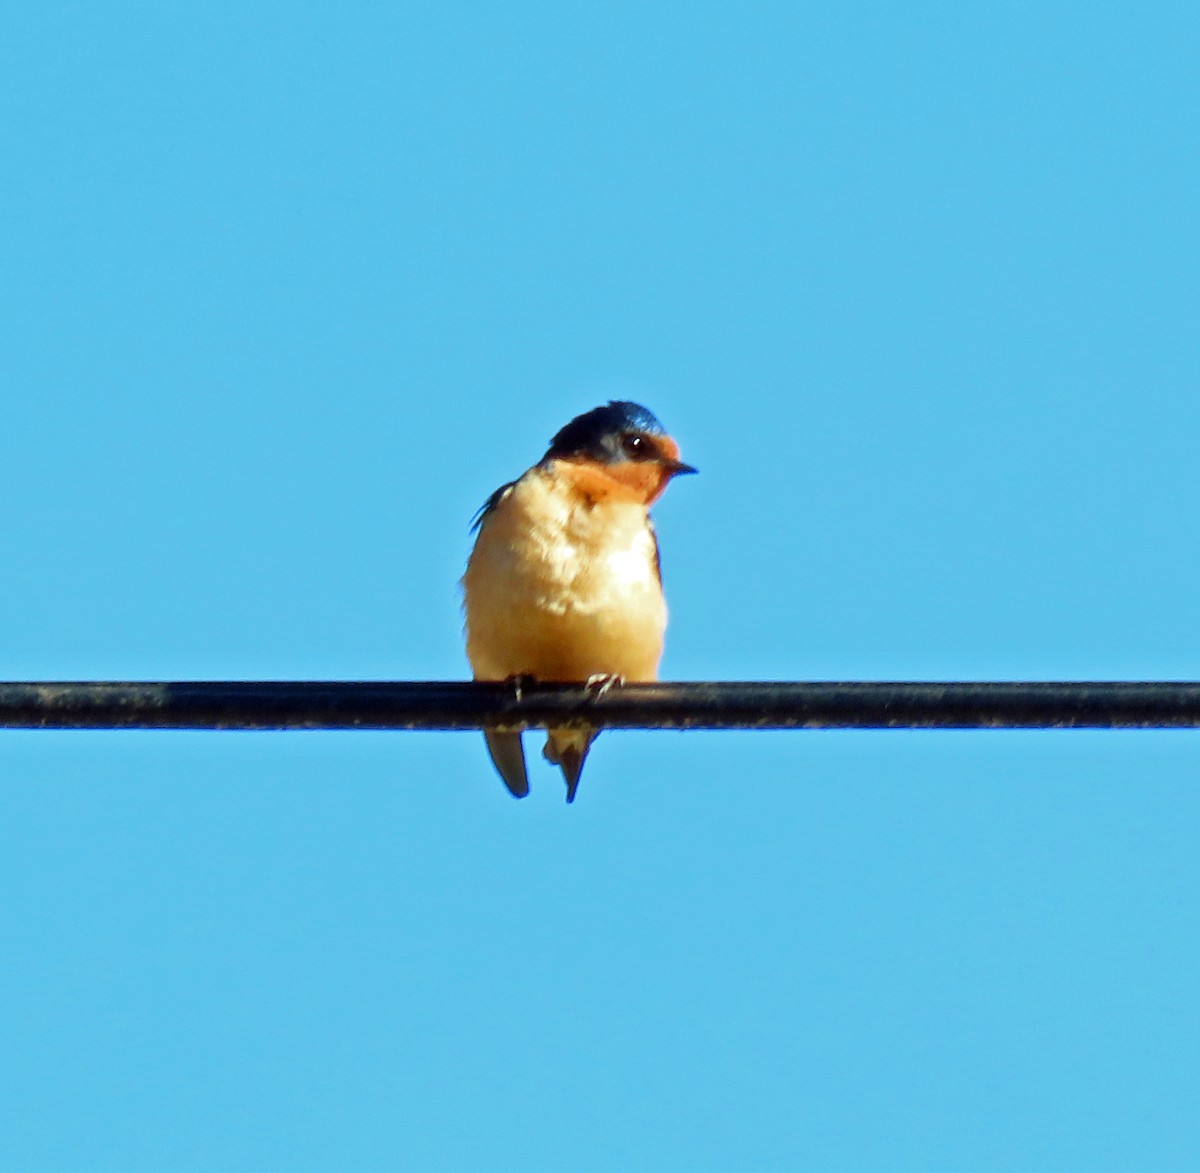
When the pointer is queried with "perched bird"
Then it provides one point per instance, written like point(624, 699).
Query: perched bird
point(564, 582)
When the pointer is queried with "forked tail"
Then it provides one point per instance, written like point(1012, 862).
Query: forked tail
point(568, 748)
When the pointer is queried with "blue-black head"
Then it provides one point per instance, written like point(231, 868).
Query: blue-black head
point(617, 432)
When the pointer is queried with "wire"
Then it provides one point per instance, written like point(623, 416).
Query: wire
point(510, 707)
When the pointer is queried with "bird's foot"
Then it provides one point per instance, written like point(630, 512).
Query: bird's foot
point(520, 681)
point(601, 682)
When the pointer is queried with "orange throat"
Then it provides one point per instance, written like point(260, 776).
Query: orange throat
point(642, 482)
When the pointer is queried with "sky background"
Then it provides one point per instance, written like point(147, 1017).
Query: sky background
point(287, 289)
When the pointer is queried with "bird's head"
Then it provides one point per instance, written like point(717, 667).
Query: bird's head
point(619, 450)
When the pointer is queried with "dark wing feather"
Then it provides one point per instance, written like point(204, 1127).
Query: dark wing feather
point(508, 756)
point(489, 505)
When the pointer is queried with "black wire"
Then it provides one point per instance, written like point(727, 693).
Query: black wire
point(690, 705)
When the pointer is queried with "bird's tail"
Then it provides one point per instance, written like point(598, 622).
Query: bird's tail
point(568, 748)
point(508, 756)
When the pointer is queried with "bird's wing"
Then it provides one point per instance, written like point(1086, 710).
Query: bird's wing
point(657, 552)
point(508, 756)
point(490, 504)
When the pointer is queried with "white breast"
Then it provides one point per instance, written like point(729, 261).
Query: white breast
point(562, 589)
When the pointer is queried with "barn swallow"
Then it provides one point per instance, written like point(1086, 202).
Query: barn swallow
point(565, 582)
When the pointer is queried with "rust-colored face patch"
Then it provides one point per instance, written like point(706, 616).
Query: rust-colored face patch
point(628, 480)
point(641, 478)
point(668, 448)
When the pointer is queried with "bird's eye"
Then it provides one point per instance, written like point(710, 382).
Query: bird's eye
point(635, 447)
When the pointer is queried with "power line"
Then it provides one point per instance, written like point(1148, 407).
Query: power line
point(449, 705)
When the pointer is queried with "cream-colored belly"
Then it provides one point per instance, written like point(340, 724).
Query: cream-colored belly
point(562, 590)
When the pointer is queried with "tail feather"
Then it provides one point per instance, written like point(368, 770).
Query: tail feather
point(568, 749)
point(508, 756)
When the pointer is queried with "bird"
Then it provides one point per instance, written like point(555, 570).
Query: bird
point(564, 582)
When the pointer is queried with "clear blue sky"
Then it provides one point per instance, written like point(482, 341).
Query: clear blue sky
point(287, 289)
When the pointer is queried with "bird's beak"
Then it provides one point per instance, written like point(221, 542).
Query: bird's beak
point(677, 468)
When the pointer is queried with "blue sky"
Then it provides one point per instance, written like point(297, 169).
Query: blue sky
point(287, 290)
